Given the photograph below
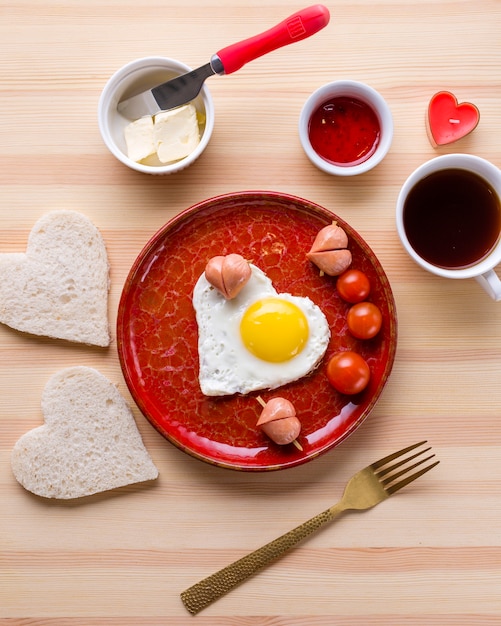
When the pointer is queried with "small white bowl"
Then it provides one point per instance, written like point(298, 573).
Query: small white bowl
point(357, 91)
point(133, 78)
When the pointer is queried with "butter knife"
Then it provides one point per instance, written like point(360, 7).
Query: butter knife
point(186, 87)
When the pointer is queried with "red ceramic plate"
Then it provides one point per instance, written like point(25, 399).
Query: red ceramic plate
point(157, 331)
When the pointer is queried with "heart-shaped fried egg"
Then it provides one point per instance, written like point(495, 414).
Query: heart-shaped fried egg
point(259, 340)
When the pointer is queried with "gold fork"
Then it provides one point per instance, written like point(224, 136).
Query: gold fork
point(364, 490)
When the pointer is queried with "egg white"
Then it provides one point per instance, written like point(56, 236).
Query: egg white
point(226, 367)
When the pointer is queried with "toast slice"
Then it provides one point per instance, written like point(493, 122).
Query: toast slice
point(59, 287)
point(89, 442)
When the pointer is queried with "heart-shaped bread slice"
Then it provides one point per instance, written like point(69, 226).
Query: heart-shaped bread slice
point(88, 444)
point(448, 121)
point(59, 287)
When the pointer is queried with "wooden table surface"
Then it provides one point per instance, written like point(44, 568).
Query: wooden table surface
point(429, 556)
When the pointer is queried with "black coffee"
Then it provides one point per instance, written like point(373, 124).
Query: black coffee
point(452, 218)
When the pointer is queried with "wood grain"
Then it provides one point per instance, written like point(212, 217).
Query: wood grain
point(430, 556)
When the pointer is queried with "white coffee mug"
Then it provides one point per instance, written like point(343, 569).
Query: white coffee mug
point(482, 270)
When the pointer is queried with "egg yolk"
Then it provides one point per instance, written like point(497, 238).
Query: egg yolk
point(274, 329)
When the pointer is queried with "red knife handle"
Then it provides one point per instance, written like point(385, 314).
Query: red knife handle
point(298, 26)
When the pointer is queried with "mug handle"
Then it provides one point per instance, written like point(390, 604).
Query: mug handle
point(491, 283)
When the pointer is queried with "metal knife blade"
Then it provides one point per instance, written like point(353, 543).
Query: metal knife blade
point(171, 94)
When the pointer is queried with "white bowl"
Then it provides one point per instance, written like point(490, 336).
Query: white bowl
point(133, 78)
point(358, 91)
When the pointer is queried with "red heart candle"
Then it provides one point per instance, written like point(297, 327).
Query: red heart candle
point(449, 121)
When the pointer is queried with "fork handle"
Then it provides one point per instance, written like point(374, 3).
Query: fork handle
point(213, 587)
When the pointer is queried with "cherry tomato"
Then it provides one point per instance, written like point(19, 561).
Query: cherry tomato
point(348, 372)
point(364, 320)
point(353, 286)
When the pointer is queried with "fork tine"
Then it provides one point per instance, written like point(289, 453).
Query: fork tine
point(389, 479)
point(387, 475)
point(392, 457)
point(386, 470)
point(405, 481)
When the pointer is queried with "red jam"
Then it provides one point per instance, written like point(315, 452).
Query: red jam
point(344, 131)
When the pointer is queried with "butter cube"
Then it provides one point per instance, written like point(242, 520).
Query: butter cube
point(139, 137)
point(176, 133)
